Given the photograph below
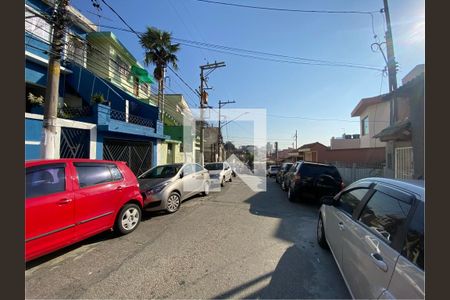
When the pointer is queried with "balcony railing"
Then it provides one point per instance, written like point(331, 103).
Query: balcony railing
point(123, 116)
point(74, 112)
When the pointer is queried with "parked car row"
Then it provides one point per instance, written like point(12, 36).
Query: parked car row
point(68, 200)
point(374, 228)
point(303, 180)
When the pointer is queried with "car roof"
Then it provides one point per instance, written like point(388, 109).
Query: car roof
point(316, 164)
point(66, 160)
point(411, 185)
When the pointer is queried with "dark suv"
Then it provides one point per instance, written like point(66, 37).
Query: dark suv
point(314, 180)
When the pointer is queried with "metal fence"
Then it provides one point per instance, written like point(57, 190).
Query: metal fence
point(351, 172)
point(123, 116)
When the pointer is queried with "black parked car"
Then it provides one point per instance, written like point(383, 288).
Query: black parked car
point(284, 168)
point(314, 180)
point(289, 175)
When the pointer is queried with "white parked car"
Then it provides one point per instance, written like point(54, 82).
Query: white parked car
point(375, 230)
point(219, 172)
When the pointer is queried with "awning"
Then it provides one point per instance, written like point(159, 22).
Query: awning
point(399, 131)
point(142, 74)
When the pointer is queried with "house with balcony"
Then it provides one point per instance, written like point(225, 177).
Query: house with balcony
point(404, 138)
point(99, 115)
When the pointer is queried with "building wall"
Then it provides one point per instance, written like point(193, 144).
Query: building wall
point(378, 120)
point(344, 143)
point(33, 130)
point(358, 155)
point(418, 131)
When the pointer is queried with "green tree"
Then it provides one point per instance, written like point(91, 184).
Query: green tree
point(159, 51)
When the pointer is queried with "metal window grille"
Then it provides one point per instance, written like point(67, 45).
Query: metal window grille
point(404, 163)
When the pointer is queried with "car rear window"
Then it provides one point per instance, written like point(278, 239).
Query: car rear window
point(45, 180)
point(93, 174)
point(310, 170)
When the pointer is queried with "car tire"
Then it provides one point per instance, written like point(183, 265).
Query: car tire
point(283, 186)
point(173, 202)
point(290, 195)
point(231, 178)
point(276, 179)
point(222, 182)
point(206, 189)
point(128, 219)
point(321, 239)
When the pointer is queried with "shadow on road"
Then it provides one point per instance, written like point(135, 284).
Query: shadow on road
point(304, 270)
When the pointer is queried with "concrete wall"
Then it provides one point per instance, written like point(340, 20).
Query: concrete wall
point(33, 129)
point(378, 120)
point(339, 143)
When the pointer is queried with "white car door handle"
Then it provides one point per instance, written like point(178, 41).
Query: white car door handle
point(379, 262)
point(341, 226)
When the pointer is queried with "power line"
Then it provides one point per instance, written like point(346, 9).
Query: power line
point(319, 119)
point(289, 9)
point(228, 50)
point(286, 61)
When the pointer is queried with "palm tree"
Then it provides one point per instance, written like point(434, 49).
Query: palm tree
point(160, 52)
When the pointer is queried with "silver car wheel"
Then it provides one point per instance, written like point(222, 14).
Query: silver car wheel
point(130, 218)
point(320, 229)
point(173, 203)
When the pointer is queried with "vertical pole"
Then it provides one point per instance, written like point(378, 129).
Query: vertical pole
point(391, 61)
point(296, 139)
point(49, 126)
point(202, 130)
point(218, 134)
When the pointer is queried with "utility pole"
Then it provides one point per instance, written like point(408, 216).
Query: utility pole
point(219, 134)
point(204, 100)
point(48, 138)
point(276, 152)
point(391, 64)
point(295, 136)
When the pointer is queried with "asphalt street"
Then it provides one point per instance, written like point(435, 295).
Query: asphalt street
point(232, 244)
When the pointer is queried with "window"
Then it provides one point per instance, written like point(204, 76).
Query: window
point(145, 89)
point(37, 26)
point(413, 248)
point(188, 169)
point(385, 215)
point(76, 50)
point(45, 180)
point(350, 200)
point(311, 170)
point(90, 174)
point(116, 175)
point(198, 168)
point(365, 126)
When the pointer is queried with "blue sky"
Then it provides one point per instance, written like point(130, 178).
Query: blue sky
point(285, 90)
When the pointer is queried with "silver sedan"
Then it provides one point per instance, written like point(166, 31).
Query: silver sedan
point(375, 230)
point(164, 187)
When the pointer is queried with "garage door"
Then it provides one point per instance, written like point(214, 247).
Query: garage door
point(138, 155)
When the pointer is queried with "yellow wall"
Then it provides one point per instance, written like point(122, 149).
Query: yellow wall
point(107, 69)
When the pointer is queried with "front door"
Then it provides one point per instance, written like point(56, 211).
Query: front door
point(49, 209)
point(368, 245)
point(97, 195)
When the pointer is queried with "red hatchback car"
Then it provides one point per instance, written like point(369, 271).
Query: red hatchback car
point(68, 200)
